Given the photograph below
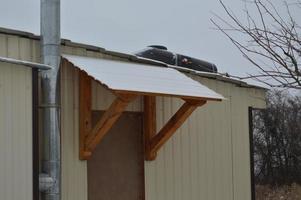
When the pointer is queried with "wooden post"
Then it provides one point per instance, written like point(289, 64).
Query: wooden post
point(85, 115)
point(149, 125)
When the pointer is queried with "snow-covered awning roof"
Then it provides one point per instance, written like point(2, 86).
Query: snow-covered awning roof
point(127, 80)
point(142, 78)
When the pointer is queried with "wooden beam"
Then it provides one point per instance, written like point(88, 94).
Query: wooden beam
point(167, 95)
point(173, 124)
point(149, 125)
point(107, 120)
point(85, 116)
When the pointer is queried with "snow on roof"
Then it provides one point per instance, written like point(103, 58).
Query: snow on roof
point(142, 78)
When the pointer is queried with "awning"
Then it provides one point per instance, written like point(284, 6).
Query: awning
point(142, 78)
point(127, 80)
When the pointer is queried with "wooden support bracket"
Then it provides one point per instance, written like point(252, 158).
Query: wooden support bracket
point(91, 136)
point(149, 125)
point(85, 114)
point(153, 142)
point(106, 122)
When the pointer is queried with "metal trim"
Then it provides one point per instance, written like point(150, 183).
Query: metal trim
point(25, 63)
point(135, 59)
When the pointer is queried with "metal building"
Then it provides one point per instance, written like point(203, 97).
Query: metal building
point(207, 158)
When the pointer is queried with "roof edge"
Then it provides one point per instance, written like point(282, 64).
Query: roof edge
point(133, 58)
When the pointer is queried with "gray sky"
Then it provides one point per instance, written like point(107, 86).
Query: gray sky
point(130, 25)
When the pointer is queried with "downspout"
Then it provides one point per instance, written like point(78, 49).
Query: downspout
point(50, 179)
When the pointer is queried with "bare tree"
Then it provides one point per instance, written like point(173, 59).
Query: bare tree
point(273, 41)
point(277, 140)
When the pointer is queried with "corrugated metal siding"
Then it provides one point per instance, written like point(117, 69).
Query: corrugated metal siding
point(208, 158)
point(74, 171)
point(16, 119)
point(74, 176)
point(15, 132)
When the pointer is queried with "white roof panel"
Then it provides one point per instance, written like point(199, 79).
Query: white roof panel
point(142, 78)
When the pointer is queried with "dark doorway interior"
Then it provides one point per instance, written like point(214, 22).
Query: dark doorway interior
point(116, 168)
point(251, 153)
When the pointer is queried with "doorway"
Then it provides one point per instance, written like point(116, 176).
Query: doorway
point(116, 168)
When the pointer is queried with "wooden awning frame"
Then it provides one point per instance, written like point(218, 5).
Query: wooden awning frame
point(90, 137)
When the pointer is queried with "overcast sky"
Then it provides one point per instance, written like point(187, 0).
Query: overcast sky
point(130, 25)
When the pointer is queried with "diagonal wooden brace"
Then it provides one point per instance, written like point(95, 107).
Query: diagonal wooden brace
point(155, 142)
point(91, 136)
point(106, 122)
point(149, 121)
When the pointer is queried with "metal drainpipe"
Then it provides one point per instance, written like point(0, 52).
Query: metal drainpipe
point(50, 179)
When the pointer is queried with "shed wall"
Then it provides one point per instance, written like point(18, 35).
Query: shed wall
point(15, 120)
point(15, 132)
point(208, 158)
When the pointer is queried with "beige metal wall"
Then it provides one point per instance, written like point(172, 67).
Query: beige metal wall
point(208, 158)
point(15, 121)
point(15, 132)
